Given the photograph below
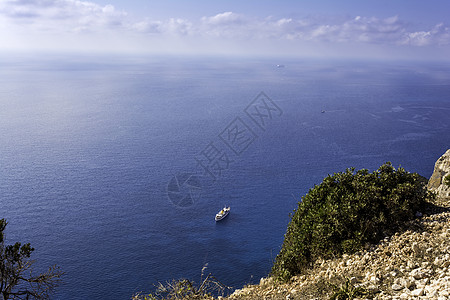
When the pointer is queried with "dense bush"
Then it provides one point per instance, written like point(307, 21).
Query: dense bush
point(347, 211)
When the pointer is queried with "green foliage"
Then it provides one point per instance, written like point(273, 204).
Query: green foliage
point(16, 277)
point(447, 180)
point(184, 289)
point(346, 211)
point(348, 291)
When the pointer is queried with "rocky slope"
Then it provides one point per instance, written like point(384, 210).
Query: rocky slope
point(412, 264)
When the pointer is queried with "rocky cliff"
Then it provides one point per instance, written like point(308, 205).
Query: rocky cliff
point(441, 170)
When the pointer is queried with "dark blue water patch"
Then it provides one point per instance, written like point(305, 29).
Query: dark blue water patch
point(87, 153)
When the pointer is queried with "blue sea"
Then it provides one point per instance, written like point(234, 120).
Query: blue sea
point(114, 167)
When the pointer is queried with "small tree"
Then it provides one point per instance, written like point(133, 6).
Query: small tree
point(17, 280)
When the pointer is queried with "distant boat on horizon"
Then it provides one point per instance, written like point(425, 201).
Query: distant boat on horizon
point(280, 66)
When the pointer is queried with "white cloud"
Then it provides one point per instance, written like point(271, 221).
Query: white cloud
point(419, 38)
point(439, 35)
point(147, 26)
point(225, 25)
point(178, 27)
point(358, 29)
point(77, 21)
point(226, 18)
point(61, 15)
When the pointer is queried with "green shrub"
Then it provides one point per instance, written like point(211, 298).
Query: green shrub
point(346, 211)
point(348, 291)
point(185, 289)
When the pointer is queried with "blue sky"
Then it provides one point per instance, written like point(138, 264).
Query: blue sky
point(384, 29)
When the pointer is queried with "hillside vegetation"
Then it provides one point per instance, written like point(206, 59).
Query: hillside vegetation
point(347, 211)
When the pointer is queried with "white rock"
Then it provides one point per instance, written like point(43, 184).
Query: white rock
point(438, 261)
point(422, 283)
point(374, 279)
point(373, 289)
point(418, 273)
point(405, 282)
point(417, 292)
point(432, 293)
point(410, 282)
point(397, 287)
point(410, 264)
point(404, 296)
point(441, 169)
point(415, 247)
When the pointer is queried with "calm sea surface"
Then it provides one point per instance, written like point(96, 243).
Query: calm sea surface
point(114, 168)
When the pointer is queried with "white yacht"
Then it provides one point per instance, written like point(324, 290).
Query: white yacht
point(223, 213)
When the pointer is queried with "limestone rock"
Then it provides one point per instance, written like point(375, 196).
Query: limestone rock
point(417, 292)
point(436, 182)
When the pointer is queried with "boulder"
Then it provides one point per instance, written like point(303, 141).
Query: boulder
point(441, 170)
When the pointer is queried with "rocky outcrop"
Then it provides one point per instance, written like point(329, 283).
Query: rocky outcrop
point(441, 170)
point(414, 264)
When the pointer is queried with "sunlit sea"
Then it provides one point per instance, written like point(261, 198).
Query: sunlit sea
point(113, 168)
